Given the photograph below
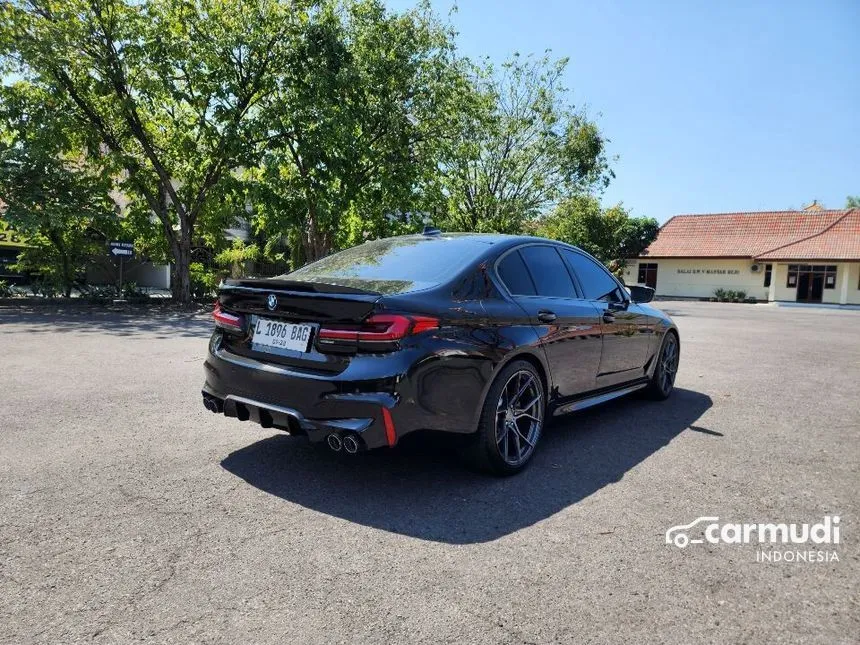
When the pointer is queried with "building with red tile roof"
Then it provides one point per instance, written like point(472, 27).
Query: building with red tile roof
point(807, 256)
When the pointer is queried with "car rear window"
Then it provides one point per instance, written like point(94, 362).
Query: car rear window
point(548, 271)
point(513, 272)
point(395, 265)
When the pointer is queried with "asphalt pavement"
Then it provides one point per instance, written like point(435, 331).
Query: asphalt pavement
point(129, 513)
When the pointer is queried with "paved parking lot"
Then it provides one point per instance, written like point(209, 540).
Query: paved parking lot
point(129, 513)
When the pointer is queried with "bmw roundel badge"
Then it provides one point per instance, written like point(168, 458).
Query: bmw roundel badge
point(272, 302)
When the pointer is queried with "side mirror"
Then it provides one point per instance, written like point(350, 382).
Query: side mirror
point(641, 294)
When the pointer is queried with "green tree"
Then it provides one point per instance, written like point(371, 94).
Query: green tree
point(62, 209)
point(609, 234)
point(523, 149)
point(167, 91)
point(852, 201)
point(357, 125)
point(54, 195)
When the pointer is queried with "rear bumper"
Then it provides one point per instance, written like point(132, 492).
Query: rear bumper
point(377, 399)
point(292, 421)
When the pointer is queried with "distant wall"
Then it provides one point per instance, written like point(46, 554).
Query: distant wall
point(692, 278)
point(699, 278)
point(145, 274)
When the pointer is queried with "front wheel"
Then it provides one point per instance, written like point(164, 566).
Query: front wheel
point(663, 380)
point(511, 421)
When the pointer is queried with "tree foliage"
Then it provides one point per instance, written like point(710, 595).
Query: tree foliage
point(609, 234)
point(357, 124)
point(166, 91)
point(852, 201)
point(57, 199)
point(320, 123)
point(524, 149)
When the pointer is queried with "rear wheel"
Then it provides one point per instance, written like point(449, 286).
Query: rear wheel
point(511, 421)
point(663, 379)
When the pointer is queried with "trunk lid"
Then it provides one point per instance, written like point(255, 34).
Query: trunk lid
point(297, 301)
point(294, 302)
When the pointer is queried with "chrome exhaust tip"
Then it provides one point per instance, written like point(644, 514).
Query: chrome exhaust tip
point(334, 442)
point(351, 444)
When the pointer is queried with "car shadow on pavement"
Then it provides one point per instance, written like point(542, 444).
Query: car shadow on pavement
point(420, 489)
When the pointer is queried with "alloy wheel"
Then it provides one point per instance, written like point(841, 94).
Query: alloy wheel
point(519, 417)
point(668, 363)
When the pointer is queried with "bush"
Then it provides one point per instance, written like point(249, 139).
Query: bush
point(236, 258)
point(721, 294)
point(741, 295)
point(101, 294)
point(44, 288)
point(203, 281)
point(133, 293)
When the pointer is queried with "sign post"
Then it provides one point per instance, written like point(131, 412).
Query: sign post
point(124, 251)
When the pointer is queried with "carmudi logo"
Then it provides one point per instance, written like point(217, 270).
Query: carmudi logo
point(820, 538)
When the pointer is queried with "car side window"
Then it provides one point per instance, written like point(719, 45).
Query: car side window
point(512, 270)
point(548, 271)
point(594, 279)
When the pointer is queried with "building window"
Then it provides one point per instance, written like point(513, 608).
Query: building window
point(648, 274)
point(822, 275)
point(768, 271)
point(829, 276)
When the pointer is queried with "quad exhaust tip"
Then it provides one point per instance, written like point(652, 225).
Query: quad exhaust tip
point(350, 444)
point(334, 442)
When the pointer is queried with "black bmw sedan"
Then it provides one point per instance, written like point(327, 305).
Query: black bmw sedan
point(482, 335)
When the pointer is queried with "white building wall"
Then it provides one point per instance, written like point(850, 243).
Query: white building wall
point(145, 274)
point(781, 291)
point(699, 278)
point(852, 277)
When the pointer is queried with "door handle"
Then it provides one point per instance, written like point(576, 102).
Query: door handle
point(547, 316)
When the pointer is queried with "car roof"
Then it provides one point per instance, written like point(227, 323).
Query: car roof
point(487, 238)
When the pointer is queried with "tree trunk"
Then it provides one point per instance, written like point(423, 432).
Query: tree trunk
point(316, 243)
point(180, 279)
point(65, 266)
point(67, 279)
point(310, 238)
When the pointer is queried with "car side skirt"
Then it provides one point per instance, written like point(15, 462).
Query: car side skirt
point(598, 397)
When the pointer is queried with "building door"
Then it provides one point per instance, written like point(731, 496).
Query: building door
point(816, 287)
point(811, 280)
point(648, 274)
point(803, 287)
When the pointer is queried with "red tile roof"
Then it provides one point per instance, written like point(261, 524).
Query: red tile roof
point(776, 235)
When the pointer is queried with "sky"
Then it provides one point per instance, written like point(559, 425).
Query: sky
point(710, 107)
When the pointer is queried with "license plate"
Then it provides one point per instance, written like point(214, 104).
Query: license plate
point(280, 335)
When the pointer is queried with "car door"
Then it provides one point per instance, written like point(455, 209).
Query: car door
point(568, 327)
point(627, 329)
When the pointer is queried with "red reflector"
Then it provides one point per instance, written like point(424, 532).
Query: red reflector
point(381, 327)
point(390, 435)
point(225, 319)
point(423, 323)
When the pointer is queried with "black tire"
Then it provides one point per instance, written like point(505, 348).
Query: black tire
point(507, 449)
point(663, 380)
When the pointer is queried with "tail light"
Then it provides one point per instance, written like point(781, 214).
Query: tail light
point(226, 320)
point(378, 332)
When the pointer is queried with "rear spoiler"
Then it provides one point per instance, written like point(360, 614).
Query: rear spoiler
point(295, 286)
